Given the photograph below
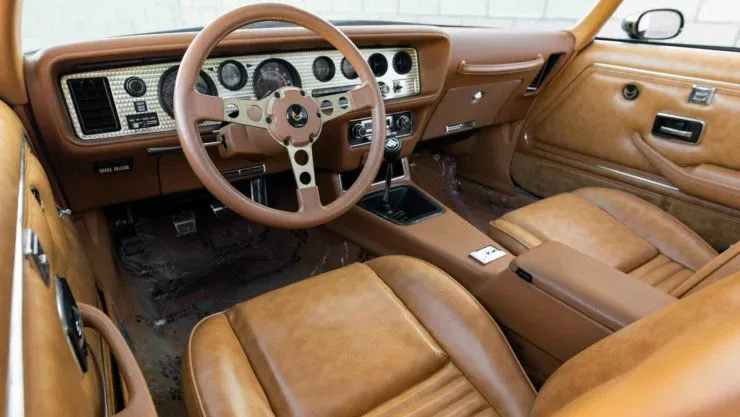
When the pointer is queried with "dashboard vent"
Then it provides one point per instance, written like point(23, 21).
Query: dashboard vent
point(94, 105)
point(544, 72)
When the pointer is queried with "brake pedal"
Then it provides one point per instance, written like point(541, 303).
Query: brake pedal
point(184, 223)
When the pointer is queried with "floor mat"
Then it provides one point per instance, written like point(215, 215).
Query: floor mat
point(436, 174)
point(174, 282)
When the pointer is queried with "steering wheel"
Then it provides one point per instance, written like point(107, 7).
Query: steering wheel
point(291, 117)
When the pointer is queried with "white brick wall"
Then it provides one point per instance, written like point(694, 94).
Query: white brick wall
point(48, 22)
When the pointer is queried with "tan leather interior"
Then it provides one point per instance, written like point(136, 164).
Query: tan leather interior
point(584, 115)
point(408, 336)
point(320, 345)
point(616, 228)
point(600, 292)
point(53, 375)
point(12, 85)
point(616, 295)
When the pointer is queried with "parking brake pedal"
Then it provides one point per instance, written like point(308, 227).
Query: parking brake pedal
point(184, 223)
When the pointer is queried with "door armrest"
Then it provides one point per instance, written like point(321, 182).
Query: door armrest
point(600, 292)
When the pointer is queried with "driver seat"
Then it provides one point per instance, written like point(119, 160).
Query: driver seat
point(397, 336)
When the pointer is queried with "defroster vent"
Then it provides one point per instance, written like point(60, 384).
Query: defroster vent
point(94, 105)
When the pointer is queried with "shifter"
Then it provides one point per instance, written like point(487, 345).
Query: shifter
point(392, 152)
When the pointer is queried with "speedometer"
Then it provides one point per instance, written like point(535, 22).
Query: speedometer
point(273, 74)
point(204, 85)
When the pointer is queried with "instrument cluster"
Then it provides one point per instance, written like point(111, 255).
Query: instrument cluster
point(141, 97)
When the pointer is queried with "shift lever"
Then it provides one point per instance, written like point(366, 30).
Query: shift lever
point(392, 152)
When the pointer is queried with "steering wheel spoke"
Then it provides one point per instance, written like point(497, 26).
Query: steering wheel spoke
point(246, 112)
point(301, 160)
point(335, 105)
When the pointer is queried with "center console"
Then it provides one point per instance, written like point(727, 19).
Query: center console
point(552, 301)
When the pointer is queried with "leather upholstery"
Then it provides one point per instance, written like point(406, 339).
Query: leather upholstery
point(389, 337)
point(679, 361)
point(616, 228)
point(51, 373)
point(398, 337)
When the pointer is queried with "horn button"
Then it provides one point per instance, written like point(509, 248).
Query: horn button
point(295, 117)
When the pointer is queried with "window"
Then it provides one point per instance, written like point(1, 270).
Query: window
point(712, 23)
point(54, 22)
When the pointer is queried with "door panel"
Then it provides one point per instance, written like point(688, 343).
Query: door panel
point(583, 120)
point(41, 252)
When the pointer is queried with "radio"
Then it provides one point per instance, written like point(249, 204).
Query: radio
point(396, 124)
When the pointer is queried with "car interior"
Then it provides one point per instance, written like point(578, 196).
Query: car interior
point(281, 215)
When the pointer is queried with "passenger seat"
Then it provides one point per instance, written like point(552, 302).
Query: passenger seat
point(622, 231)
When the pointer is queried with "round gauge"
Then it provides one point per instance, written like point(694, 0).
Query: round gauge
point(378, 64)
point(204, 85)
point(323, 68)
point(402, 62)
point(347, 69)
point(273, 74)
point(232, 74)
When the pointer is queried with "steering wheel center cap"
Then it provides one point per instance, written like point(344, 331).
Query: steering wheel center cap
point(297, 115)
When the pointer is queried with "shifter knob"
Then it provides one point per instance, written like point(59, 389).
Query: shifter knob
point(392, 149)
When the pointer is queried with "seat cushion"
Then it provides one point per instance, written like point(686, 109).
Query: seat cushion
point(614, 227)
point(392, 336)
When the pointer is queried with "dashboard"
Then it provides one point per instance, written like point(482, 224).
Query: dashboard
point(102, 108)
point(114, 102)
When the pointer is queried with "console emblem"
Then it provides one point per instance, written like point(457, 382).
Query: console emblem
point(297, 115)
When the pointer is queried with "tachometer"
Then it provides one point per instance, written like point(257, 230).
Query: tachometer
point(204, 85)
point(273, 74)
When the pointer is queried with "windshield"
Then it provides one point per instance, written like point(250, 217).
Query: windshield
point(54, 22)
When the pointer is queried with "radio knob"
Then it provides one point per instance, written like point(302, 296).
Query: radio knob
point(403, 122)
point(359, 131)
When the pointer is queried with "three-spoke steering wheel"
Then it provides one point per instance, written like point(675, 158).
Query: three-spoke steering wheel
point(289, 115)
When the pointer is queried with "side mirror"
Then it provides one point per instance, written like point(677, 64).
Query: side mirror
point(656, 24)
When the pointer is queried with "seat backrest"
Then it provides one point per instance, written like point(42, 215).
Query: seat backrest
point(35, 349)
point(680, 361)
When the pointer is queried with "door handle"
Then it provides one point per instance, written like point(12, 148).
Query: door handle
point(676, 132)
point(678, 128)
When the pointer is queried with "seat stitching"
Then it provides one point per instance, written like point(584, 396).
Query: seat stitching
point(649, 206)
point(480, 307)
point(256, 375)
point(198, 400)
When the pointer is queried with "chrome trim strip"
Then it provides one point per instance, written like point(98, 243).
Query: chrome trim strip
point(156, 150)
point(639, 178)
point(15, 394)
